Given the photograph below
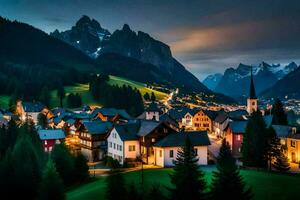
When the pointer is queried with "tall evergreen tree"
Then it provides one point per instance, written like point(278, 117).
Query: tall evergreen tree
point(274, 146)
point(281, 163)
point(26, 168)
point(279, 115)
point(255, 142)
point(227, 178)
point(153, 97)
point(187, 179)
point(146, 96)
point(115, 187)
point(81, 169)
point(64, 163)
point(51, 186)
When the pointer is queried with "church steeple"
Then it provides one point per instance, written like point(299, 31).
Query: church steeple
point(252, 99)
point(252, 94)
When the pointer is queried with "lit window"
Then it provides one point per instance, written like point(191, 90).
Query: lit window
point(238, 137)
point(45, 142)
point(153, 140)
point(131, 147)
point(293, 143)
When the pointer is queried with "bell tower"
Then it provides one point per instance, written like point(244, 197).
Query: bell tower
point(252, 99)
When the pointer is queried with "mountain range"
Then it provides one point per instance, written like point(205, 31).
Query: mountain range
point(148, 56)
point(26, 51)
point(235, 81)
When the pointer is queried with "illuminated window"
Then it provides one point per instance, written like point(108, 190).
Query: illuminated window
point(238, 137)
point(293, 143)
point(131, 147)
point(153, 140)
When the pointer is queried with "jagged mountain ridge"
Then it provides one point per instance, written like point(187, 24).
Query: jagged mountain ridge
point(140, 46)
point(235, 82)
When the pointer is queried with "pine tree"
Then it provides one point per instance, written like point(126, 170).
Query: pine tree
point(255, 142)
point(227, 178)
point(281, 163)
point(187, 178)
point(279, 115)
point(146, 96)
point(26, 168)
point(51, 186)
point(115, 187)
point(81, 169)
point(64, 163)
point(274, 146)
point(153, 97)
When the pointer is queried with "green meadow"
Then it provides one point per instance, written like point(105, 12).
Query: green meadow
point(264, 185)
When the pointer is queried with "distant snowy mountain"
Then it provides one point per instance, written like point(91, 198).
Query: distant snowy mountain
point(212, 81)
point(235, 82)
point(87, 35)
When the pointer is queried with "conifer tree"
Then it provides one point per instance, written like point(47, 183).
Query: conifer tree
point(255, 142)
point(81, 169)
point(146, 96)
point(42, 120)
point(115, 187)
point(51, 186)
point(227, 178)
point(279, 115)
point(64, 163)
point(187, 178)
point(26, 168)
point(281, 163)
point(153, 97)
point(274, 146)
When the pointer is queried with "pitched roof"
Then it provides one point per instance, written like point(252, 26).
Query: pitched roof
point(211, 114)
point(167, 118)
point(127, 131)
point(197, 138)
point(238, 127)
point(238, 114)
point(51, 134)
point(282, 130)
point(111, 112)
point(33, 107)
point(97, 127)
point(178, 114)
point(221, 118)
point(146, 126)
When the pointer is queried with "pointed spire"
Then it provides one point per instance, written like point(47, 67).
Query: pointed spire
point(252, 94)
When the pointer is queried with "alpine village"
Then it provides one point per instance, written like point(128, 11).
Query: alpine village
point(89, 114)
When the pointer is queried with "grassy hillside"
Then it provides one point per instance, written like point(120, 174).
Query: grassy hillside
point(264, 185)
point(87, 98)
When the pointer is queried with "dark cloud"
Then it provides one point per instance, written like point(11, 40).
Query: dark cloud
point(205, 35)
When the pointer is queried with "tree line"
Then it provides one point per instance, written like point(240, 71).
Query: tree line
point(27, 170)
point(261, 146)
point(121, 97)
point(188, 180)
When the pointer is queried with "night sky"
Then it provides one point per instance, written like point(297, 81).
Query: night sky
point(206, 36)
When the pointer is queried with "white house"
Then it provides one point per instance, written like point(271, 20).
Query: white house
point(152, 112)
point(166, 150)
point(123, 142)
